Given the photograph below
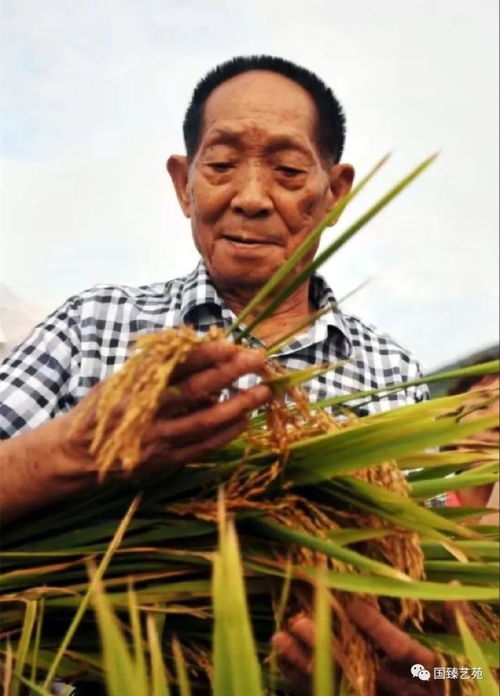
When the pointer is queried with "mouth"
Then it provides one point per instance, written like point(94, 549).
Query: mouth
point(248, 242)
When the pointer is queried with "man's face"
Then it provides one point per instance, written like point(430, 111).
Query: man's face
point(257, 185)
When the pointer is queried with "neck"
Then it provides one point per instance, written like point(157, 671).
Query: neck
point(293, 310)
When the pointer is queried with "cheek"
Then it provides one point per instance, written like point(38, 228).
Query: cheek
point(312, 204)
point(305, 209)
point(208, 202)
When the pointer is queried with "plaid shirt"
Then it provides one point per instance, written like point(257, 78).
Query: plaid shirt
point(89, 337)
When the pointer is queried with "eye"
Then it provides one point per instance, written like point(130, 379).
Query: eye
point(221, 167)
point(289, 172)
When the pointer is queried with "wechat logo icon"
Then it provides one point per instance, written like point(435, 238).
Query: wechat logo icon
point(420, 672)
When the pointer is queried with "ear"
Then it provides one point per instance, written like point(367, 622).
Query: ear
point(341, 178)
point(177, 167)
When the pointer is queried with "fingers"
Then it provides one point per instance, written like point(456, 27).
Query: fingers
point(396, 643)
point(204, 387)
point(190, 421)
point(302, 628)
point(294, 650)
point(158, 459)
point(449, 615)
point(202, 423)
point(295, 647)
point(194, 452)
point(214, 379)
point(390, 683)
point(450, 610)
point(206, 355)
point(294, 661)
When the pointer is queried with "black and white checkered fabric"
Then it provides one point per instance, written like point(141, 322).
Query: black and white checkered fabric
point(89, 337)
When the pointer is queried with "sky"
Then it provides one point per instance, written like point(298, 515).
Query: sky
point(93, 95)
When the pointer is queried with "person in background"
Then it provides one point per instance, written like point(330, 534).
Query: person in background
point(486, 495)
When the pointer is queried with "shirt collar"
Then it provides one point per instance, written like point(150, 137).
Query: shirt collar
point(322, 295)
point(199, 293)
point(201, 304)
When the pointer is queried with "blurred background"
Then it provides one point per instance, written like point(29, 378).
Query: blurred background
point(93, 96)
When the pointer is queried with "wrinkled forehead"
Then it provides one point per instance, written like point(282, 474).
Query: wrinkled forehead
point(251, 132)
point(264, 100)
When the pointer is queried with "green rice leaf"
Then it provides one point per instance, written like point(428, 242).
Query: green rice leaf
point(24, 642)
point(7, 668)
point(302, 250)
point(453, 645)
point(38, 633)
point(159, 681)
point(283, 340)
point(489, 550)
point(35, 688)
point(353, 535)
point(236, 669)
point(136, 631)
point(278, 621)
point(429, 462)
point(353, 449)
point(121, 677)
point(308, 321)
point(323, 658)
point(401, 511)
point(180, 668)
point(115, 542)
point(422, 490)
point(282, 383)
point(280, 532)
point(466, 512)
point(487, 368)
point(476, 658)
point(479, 573)
point(387, 587)
point(323, 256)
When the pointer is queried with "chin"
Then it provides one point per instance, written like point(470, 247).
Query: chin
point(233, 270)
point(236, 276)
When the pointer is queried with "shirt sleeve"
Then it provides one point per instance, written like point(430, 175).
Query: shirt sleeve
point(36, 378)
point(419, 392)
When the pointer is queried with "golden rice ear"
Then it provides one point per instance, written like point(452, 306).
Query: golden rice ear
point(129, 399)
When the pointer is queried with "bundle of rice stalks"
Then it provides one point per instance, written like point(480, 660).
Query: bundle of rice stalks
point(319, 498)
point(306, 491)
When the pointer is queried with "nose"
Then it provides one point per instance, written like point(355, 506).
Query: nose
point(252, 197)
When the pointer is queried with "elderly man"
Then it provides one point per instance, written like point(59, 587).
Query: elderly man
point(262, 167)
point(263, 138)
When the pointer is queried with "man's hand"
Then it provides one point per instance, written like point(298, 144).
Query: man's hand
point(48, 463)
point(191, 421)
point(295, 647)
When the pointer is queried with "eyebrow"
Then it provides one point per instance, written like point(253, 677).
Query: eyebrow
point(223, 135)
point(234, 136)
